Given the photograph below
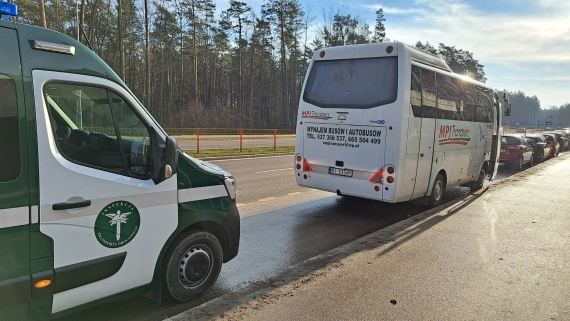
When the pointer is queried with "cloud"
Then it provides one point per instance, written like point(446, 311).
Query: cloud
point(524, 45)
point(499, 36)
point(391, 10)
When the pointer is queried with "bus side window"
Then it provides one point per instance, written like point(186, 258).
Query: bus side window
point(10, 162)
point(468, 97)
point(429, 93)
point(485, 105)
point(448, 98)
point(416, 91)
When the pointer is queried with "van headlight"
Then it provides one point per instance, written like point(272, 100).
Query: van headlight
point(231, 186)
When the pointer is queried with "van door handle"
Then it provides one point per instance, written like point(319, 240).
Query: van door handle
point(67, 206)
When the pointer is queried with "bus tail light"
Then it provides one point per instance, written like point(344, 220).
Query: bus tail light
point(307, 167)
point(377, 178)
point(390, 177)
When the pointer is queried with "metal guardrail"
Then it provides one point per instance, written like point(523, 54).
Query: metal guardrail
point(197, 139)
point(227, 131)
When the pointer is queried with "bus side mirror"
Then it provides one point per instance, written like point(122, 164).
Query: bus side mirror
point(164, 157)
point(507, 109)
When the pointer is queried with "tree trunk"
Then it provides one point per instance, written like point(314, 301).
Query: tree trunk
point(121, 45)
point(147, 56)
point(42, 14)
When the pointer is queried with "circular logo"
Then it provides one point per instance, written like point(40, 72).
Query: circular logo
point(117, 224)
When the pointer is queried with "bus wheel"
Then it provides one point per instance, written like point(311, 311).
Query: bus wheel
point(436, 192)
point(191, 265)
point(477, 185)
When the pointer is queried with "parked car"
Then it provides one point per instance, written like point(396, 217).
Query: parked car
point(515, 151)
point(540, 146)
point(551, 139)
point(565, 137)
point(562, 140)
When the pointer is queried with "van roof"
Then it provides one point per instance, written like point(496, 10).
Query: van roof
point(84, 61)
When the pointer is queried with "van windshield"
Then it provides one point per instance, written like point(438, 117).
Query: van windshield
point(352, 83)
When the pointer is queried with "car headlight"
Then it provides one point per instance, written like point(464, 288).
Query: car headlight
point(231, 187)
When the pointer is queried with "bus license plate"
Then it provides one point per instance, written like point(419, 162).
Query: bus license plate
point(340, 171)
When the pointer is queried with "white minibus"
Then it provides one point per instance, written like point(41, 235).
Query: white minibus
point(392, 123)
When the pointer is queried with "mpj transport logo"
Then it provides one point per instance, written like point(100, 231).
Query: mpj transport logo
point(449, 135)
point(117, 224)
point(315, 115)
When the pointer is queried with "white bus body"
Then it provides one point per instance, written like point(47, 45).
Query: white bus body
point(392, 123)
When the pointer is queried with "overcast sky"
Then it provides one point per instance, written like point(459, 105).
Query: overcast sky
point(523, 44)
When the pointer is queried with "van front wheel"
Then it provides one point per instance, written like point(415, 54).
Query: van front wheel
point(192, 265)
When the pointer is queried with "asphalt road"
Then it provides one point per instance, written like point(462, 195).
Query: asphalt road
point(282, 224)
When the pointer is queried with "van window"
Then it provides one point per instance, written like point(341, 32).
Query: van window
point(352, 83)
point(94, 126)
point(10, 158)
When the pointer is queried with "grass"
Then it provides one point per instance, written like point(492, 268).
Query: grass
point(235, 151)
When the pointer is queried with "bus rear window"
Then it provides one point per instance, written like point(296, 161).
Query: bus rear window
point(352, 83)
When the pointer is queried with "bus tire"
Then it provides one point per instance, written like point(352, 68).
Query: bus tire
point(191, 265)
point(436, 191)
point(478, 184)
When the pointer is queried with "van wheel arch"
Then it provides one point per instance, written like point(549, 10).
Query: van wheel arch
point(206, 226)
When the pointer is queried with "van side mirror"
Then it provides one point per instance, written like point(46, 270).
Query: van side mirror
point(164, 157)
point(170, 158)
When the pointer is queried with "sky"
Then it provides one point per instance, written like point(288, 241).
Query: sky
point(523, 44)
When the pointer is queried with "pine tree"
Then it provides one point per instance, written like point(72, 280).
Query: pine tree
point(379, 30)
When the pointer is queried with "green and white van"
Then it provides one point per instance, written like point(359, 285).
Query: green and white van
point(97, 203)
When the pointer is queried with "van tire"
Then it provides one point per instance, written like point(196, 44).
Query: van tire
point(191, 265)
point(437, 189)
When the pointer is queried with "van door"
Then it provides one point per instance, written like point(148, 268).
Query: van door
point(15, 284)
point(428, 113)
point(106, 216)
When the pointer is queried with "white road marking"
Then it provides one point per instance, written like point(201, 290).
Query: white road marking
point(274, 170)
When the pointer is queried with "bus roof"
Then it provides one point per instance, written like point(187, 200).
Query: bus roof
point(379, 49)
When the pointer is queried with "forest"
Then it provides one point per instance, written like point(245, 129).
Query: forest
point(193, 66)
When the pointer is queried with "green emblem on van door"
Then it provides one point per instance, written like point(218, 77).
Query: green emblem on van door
point(117, 224)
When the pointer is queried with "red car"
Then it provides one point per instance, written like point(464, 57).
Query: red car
point(551, 139)
point(515, 151)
